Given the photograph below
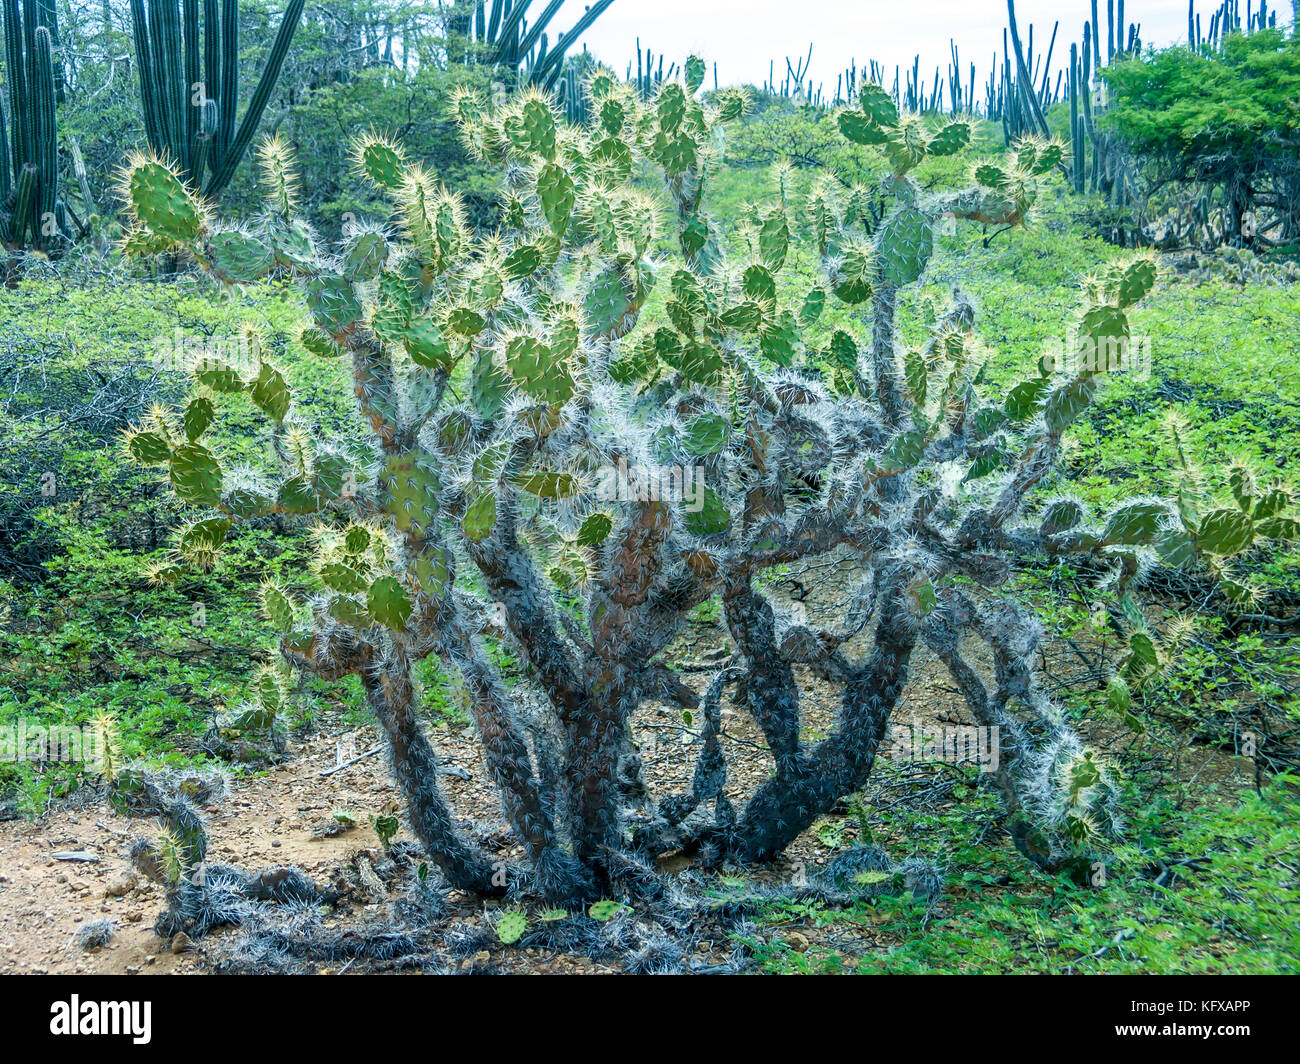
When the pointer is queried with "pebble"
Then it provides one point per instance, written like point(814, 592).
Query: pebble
point(122, 885)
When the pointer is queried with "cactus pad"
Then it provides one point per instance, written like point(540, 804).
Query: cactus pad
point(388, 603)
point(903, 246)
point(425, 343)
point(333, 303)
point(162, 203)
point(537, 371)
point(411, 485)
point(196, 475)
point(238, 257)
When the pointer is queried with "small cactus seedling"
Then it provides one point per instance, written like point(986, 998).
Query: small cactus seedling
point(525, 415)
point(511, 927)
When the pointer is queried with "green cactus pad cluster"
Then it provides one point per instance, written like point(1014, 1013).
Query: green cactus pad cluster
point(751, 429)
point(306, 493)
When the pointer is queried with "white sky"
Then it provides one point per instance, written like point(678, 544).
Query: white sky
point(743, 35)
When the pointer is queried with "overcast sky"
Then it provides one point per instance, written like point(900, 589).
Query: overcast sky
point(744, 35)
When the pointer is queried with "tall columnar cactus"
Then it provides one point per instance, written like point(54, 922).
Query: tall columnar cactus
point(521, 47)
point(189, 84)
point(525, 414)
point(1078, 135)
point(31, 212)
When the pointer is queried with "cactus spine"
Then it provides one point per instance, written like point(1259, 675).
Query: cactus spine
point(189, 84)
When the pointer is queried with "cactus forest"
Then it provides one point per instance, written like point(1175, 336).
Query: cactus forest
point(586, 518)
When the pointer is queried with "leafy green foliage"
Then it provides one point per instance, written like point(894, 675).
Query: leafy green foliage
point(1221, 118)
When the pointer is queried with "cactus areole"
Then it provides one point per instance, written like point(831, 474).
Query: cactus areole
point(511, 386)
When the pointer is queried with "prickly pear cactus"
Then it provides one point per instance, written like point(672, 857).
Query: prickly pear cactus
point(526, 415)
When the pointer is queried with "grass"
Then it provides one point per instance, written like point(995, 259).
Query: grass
point(1230, 912)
